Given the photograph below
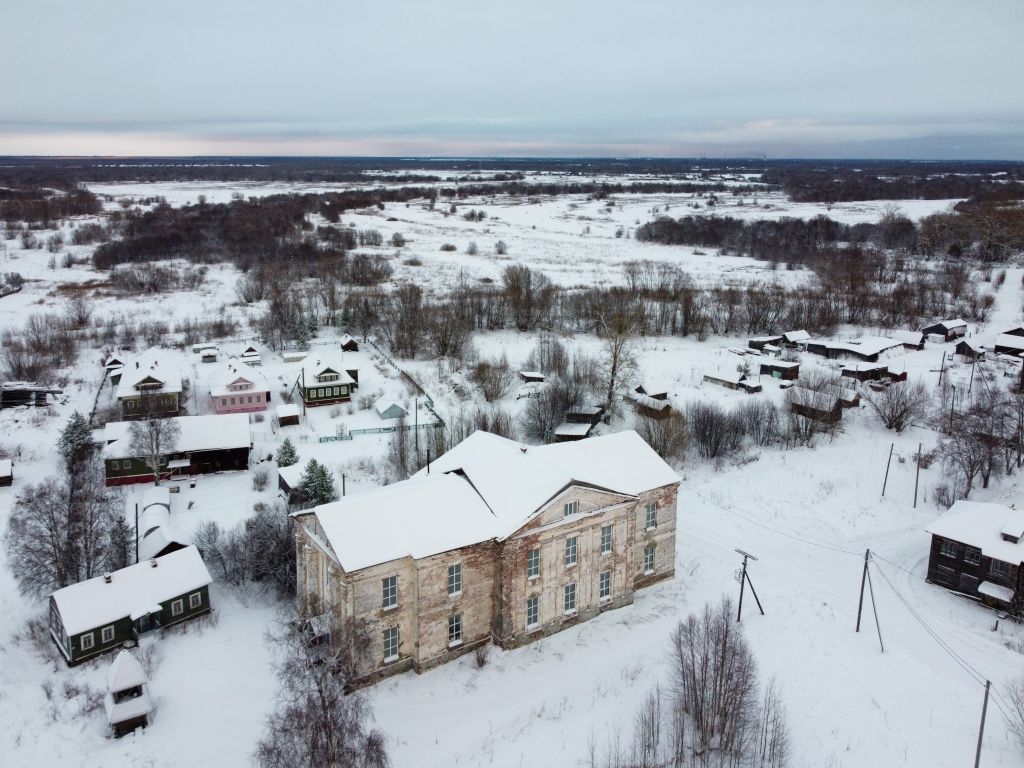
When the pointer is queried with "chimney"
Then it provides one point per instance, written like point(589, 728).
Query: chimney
point(107, 578)
point(152, 563)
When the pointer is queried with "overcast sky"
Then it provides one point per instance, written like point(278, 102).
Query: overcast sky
point(900, 78)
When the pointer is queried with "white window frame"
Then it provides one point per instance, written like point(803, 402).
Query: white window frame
point(652, 516)
point(392, 633)
point(570, 508)
point(115, 464)
point(389, 588)
point(604, 585)
point(455, 579)
point(606, 541)
point(107, 634)
point(532, 602)
point(569, 599)
point(177, 607)
point(533, 564)
point(999, 568)
point(87, 641)
point(455, 629)
point(949, 544)
point(572, 553)
point(195, 600)
point(649, 554)
point(972, 555)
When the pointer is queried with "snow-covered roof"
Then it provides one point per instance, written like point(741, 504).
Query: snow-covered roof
point(972, 344)
point(287, 410)
point(586, 410)
point(159, 539)
point(1009, 340)
point(1014, 527)
point(236, 372)
point(764, 339)
point(648, 402)
point(779, 363)
point(95, 603)
point(819, 401)
point(153, 517)
point(320, 362)
point(730, 377)
point(997, 591)
point(980, 524)
point(155, 364)
point(6, 468)
point(571, 429)
point(866, 345)
point(794, 336)
point(907, 337)
point(951, 324)
point(532, 375)
point(346, 338)
point(487, 487)
point(198, 433)
point(125, 672)
point(128, 709)
point(653, 388)
point(156, 494)
point(384, 403)
point(865, 367)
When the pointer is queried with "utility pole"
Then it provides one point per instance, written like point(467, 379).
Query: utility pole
point(343, 484)
point(136, 531)
point(952, 401)
point(917, 475)
point(981, 730)
point(886, 481)
point(874, 609)
point(942, 367)
point(744, 580)
point(416, 425)
point(863, 580)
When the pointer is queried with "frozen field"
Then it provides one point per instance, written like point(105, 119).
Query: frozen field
point(808, 515)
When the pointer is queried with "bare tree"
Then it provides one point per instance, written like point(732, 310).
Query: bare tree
point(545, 412)
point(316, 720)
point(618, 358)
point(668, 436)
point(1015, 693)
point(493, 377)
point(152, 438)
point(898, 406)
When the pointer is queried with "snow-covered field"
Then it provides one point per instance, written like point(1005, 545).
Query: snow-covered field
point(808, 515)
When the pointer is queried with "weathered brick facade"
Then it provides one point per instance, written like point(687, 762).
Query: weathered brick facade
point(495, 580)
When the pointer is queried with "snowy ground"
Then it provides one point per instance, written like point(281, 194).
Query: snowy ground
point(808, 515)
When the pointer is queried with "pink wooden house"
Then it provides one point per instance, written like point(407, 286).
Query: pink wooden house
point(239, 390)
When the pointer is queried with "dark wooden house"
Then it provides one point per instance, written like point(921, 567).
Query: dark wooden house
point(819, 406)
point(947, 329)
point(760, 342)
point(349, 343)
point(531, 377)
point(866, 371)
point(324, 380)
point(104, 613)
point(6, 472)
point(152, 384)
point(584, 414)
point(780, 369)
point(649, 406)
point(23, 393)
point(970, 350)
point(977, 551)
point(1008, 344)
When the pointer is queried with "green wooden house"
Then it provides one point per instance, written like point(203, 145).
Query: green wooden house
point(152, 384)
point(324, 380)
point(109, 611)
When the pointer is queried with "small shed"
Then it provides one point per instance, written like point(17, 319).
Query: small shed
point(349, 343)
point(909, 339)
point(649, 406)
point(819, 406)
point(531, 377)
point(866, 371)
point(653, 390)
point(127, 703)
point(209, 355)
point(1016, 331)
point(732, 380)
point(848, 398)
point(114, 366)
point(287, 415)
point(794, 338)
point(584, 414)
point(970, 349)
point(6, 472)
point(1008, 344)
point(569, 432)
point(295, 356)
point(389, 409)
point(780, 369)
point(760, 342)
point(251, 356)
point(947, 329)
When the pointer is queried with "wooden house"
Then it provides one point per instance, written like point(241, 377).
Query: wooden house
point(14, 394)
point(323, 380)
point(584, 414)
point(497, 543)
point(1008, 344)
point(949, 330)
point(909, 339)
point(648, 406)
point(349, 343)
point(969, 349)
point(152, 384)
point(760, 342)
point(239, 389)
point(568, 431)
point(780, 369)
point(287, 415)
point(867, 349)
point(6, 472)
point(1015, 331)
point(795, 338)
point(205, 444)
point(251, 356)
point(733, 380)
point(531, 377)
point(653, 390)
point(818, 406)
point(977, 551)
point(127, 702)
point(866, 371)
point(104, 613)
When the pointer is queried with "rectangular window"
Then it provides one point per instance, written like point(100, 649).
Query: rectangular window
point(999, 568)
point(195, 600)
point(606, 539)
point(571, 508)
point(126, 464)
point(569, 599)
point(455, 629)
point(115, 465)
point(232, 401)
point(250, 398)
point(177, 607)
point(87, 641)
point(336, 392)
point(389, 586)
point(532, 612)
point(223, 401)
point(652, 516)
point(950, 548)
point(570, 551)
point(391, 644)
point(649, 558)
point(107, 634)
point(533, 564)
point(605, 585)
point(972, 555)
point(455, 579)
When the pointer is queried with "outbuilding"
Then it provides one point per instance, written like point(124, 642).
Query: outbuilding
point(349, 343)
point(649, 406)
point(760, 342)
point(127, 703)
point(584, 414)
point(570, 431)
point(1008, 344)
point(287, 415)
point(818, 406)
point(6, 472)
point(531, 377)
point(947, 329)
point(733, 380)
point(780, 369)
point(909, 339)
point(969, 349)
point(866, 371)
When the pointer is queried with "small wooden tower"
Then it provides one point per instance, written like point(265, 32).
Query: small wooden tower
point(127, 703)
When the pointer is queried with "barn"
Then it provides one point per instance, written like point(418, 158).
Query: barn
point(970, 349)
point(349, 343)
point(287, 415)
point(909, 339)
point(949, 330)
point(1008, 344)
point(780, 369)
point(866, 371)
point(819, 406)
point(649, 406)
point(733, 380)
point(760, 342)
